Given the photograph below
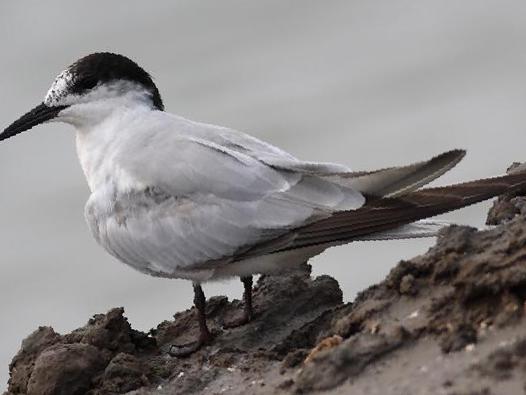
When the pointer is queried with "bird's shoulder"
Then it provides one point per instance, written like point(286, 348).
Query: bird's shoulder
point(174, 130)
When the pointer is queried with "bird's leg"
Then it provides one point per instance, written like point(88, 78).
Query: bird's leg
point(204, 334)
point(200, 303)
point(248, 311)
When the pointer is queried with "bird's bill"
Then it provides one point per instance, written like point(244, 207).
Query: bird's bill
point(36, 116)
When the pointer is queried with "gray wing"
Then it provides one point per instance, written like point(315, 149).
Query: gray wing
point(163, 234)
point(206, 198)
point(390, 218)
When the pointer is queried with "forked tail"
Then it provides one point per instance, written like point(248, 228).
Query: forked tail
point(382, 214)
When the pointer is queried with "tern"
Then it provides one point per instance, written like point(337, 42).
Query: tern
point(175, 198)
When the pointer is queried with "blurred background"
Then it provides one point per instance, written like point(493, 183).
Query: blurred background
point(365, 83)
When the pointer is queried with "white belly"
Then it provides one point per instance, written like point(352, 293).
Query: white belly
point(165, 237)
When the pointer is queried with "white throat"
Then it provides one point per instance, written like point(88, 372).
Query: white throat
point(86, 111)
point(104, 130)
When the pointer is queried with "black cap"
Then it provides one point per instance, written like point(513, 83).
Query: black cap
point(101, 67)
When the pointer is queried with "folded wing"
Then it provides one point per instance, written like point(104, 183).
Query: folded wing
point(220, 195)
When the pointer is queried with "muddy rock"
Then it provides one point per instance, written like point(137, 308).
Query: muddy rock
point(330, 368)
point(65, 369)
point(506, 207)
point(508, 360)
point(22, 364)
point(124, 373)
point(450, 321)
point(78, 362)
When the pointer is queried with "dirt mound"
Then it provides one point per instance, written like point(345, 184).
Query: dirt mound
point(450, 321)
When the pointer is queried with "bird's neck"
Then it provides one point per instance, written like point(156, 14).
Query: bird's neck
point(102, 143)
point(86, 116)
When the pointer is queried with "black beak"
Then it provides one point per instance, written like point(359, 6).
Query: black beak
point(37, 115)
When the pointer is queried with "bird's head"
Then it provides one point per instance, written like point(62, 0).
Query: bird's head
point(97, 82)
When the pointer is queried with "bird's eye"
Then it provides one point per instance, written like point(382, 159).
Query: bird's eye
point(85, 84)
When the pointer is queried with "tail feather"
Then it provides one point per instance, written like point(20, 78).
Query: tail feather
point(397, 181)
point(415, 230)
point(381, 218)
point(382, 214)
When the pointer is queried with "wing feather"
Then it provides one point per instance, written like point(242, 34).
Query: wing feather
point(383, 214)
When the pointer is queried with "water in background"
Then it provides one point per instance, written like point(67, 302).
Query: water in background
point(365, 83)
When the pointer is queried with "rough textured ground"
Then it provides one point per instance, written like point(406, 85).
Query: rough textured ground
point(448, 322)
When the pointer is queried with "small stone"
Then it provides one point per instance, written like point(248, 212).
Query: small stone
point(286, 384)
point(407, 285)
point(325, 344)
point(293, 359)
point(413, 315)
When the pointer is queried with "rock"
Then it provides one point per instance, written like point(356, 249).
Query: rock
point(22, 364)
point(49, 363)
point(506, 207)
point(325, 344)
point(330, 368)
point(501, 363)
point(123, 373)
point(111, 332)
point(458, 338)
point(407, 285)
point(65, 369)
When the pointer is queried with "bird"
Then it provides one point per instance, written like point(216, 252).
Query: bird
point(176, 198)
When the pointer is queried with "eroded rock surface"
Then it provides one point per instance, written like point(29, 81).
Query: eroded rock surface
point(450, 321)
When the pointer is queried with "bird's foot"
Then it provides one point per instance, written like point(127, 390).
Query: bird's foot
point(248, 310)
point(241, 320)
point(187, 349)
point(184, 350)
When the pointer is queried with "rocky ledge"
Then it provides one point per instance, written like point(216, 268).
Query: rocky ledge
point(451, 321)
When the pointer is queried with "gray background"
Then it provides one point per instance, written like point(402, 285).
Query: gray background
point(365, 83)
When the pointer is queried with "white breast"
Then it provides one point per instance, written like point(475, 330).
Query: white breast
point(99, 148)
